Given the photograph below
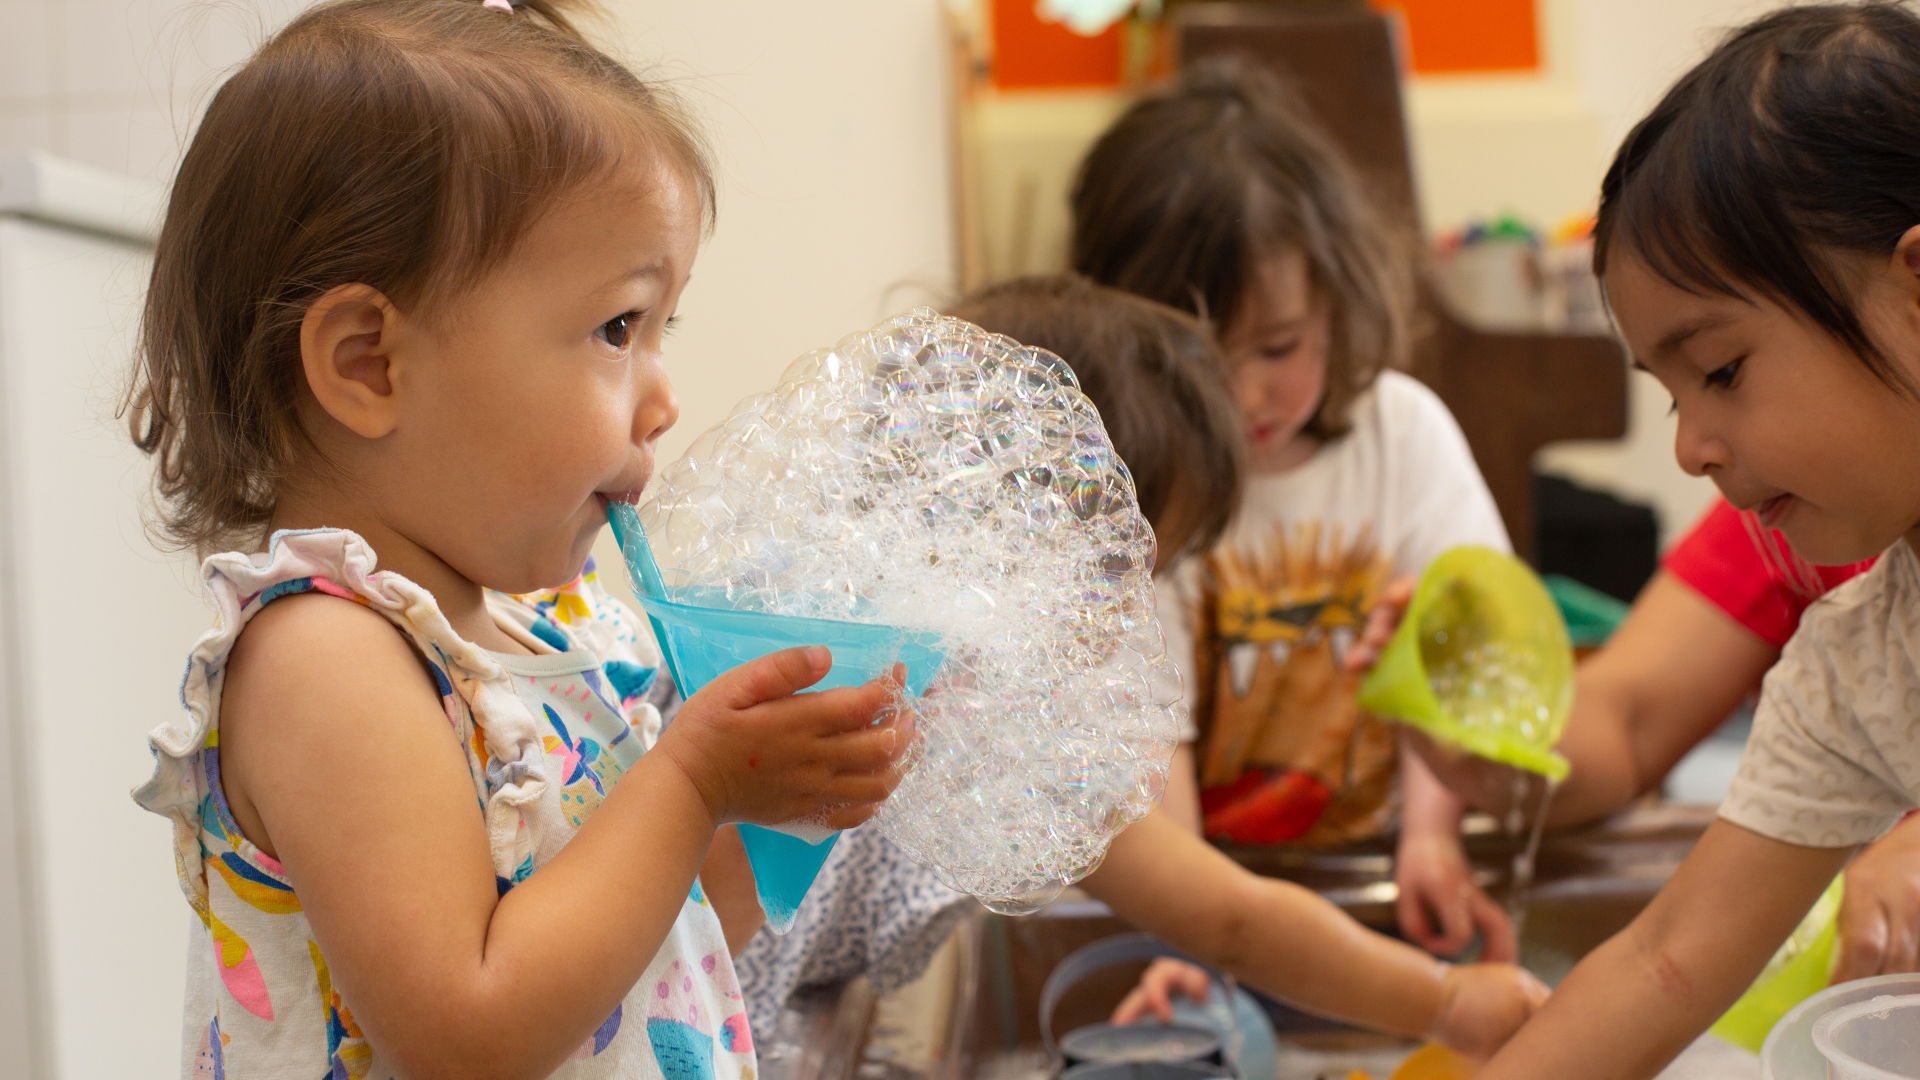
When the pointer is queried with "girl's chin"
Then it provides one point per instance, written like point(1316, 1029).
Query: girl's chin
point(1827, 547)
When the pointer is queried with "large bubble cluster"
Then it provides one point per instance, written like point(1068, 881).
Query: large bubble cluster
point(930, 475)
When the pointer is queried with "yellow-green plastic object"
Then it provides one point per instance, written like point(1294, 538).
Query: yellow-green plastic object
point(1800, 969)
point(1481, 662)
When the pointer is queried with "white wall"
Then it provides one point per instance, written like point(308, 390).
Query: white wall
point(99, 624)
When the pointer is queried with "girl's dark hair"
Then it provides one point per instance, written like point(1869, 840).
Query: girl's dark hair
point(1796, 141)
point(1158, 382)
point(406, 145)
point(1192, 187)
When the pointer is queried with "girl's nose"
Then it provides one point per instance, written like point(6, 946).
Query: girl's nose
point(659, 408)
point(1249, 392)
point(1698, 450)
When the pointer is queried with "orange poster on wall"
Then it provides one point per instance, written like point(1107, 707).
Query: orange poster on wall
point(1029, 54)
point(1457, 36)
point(1443, 37)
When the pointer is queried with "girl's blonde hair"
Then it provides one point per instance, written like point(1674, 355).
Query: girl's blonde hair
point(406, 145)
point(1192, 187)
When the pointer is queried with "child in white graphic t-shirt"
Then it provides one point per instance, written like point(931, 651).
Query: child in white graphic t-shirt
point(1220, 196)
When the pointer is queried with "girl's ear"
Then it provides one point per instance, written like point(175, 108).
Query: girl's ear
point(345, 349)
point(1907, 251)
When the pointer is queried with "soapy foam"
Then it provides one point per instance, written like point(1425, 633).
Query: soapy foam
point(930, 475)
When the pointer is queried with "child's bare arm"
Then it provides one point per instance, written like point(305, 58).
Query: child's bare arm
point(1293, 944)
point(1639, 999)
point(1181, 799)
point(389, 855)
point(727, 879)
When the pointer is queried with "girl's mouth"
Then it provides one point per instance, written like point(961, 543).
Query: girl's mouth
point(631, 496)
point(1771, 511)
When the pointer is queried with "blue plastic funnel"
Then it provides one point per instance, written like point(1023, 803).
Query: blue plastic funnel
point(702, 638)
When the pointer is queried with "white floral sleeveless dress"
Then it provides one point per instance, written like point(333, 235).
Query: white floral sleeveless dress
point(545, 738)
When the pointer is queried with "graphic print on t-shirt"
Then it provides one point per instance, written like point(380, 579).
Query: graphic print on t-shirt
point(1285, 755)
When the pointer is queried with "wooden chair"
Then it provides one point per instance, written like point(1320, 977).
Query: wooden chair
point(1512, 393)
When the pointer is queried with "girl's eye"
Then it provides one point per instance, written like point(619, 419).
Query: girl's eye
point(617, 330)
point(1279, 352)
point(1723, 377)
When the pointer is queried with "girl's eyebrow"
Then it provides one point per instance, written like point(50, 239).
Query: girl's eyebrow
point(1282, 326)
point(1679, 335)
point(651, 270)
point(654, 269)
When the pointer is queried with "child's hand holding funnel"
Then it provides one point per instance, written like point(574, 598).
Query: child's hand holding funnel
point(759, 751)
point(1481, 662)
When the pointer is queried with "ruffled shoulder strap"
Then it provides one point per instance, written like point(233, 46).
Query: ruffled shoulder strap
point(338, 563)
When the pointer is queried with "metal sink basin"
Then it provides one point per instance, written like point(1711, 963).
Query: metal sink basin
point(1590, 883)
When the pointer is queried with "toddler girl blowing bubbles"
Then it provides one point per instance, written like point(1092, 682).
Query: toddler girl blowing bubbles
point(409, 299)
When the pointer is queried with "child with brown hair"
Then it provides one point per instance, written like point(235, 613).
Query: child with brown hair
point(1759, 243)
point(409, 299)
point(1220, 197)
point(1154, 374)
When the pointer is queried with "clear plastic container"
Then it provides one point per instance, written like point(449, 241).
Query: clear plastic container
point(1791, 1052)
point(1876, 1039)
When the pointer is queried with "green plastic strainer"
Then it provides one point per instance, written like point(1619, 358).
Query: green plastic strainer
point(1481, 662)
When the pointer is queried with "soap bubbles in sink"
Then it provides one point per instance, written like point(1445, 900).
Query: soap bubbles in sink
point(929, 475)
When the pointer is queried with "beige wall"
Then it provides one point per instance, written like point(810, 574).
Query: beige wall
point(829, 123)
point(1613, 59)
point(830, 126)
point(830, 129)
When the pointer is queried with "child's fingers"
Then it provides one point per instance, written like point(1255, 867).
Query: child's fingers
point(872, 749)
point(1411, 909)
point(1456, 922)
point(1500, 945)
point(1533, 991)
point(1140, 1004)
point(852, 815)
point(1903, 952)
point(1187, 980)
point(839, 711)
point(1863, 942)
point(860, 788)
point(1399, 593)
point(771, 677)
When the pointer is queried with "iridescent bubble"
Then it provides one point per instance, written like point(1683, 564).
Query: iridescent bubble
point(928, 474)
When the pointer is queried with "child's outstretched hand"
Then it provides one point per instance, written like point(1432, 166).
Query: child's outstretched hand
point(1482, 1005)
point(1440, 907)
point(1382, 621)
point(1153, 996)
point(759, 751)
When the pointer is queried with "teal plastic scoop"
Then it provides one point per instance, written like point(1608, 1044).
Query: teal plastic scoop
point(702, 638)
